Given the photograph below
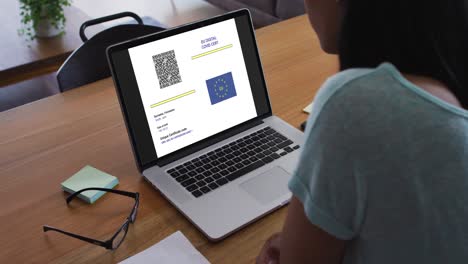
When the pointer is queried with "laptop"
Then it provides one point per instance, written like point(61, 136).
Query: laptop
point(200, 123)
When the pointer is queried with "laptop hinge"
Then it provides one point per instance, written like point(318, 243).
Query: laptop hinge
point(208, 142)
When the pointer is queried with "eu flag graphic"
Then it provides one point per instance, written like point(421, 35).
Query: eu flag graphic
point(221, 88)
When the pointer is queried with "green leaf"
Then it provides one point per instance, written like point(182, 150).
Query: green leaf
point(32, 11)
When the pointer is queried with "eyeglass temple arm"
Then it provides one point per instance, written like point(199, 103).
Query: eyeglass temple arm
point(129, 194)
point(87, 239)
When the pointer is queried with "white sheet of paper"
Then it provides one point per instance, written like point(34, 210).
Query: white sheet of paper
point(174, 249)
point(308, 108)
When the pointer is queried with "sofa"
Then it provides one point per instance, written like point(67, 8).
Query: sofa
point(264, 12)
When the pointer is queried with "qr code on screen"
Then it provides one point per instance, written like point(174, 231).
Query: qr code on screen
point(167, 69)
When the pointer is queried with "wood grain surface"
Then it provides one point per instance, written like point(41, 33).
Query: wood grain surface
point(45, 142)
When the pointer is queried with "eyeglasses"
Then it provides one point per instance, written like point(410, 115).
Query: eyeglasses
point(115, 241)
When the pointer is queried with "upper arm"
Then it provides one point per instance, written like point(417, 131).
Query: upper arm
point(303, 242)
point(329, 189)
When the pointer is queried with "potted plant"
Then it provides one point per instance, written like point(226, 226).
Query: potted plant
point(42, 18)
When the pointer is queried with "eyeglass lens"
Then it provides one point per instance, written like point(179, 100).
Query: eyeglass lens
point(134, 212)
point(120, 237)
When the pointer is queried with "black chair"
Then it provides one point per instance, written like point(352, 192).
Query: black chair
point(88, 63)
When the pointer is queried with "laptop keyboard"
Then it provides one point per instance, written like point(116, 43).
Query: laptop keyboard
point(231, 161)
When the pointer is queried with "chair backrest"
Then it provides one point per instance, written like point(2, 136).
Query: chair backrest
point(88, 63)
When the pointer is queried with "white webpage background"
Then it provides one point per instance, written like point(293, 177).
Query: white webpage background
point(194, 112)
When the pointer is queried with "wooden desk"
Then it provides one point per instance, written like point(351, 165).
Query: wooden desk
point(22, 59)
point(43, 143)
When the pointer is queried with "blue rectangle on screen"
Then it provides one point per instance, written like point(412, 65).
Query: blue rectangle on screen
point(221, 88)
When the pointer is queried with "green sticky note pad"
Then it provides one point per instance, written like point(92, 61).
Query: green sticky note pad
point(89, 177)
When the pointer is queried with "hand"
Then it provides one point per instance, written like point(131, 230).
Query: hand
point(270, 252)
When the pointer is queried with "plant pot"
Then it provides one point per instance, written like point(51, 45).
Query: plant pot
point(45, 29)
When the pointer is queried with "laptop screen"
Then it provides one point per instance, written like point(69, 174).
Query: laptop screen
point(192, 84)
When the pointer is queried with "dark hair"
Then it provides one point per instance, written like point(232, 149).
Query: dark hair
point(428, 38)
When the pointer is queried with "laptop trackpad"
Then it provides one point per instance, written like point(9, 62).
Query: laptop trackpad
point(268, 186)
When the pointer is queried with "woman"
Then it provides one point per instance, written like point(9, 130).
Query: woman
point(383, 176)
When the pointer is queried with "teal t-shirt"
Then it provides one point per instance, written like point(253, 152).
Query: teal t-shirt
point(385, 166)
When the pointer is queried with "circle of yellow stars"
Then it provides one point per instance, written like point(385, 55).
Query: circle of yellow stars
point(222, 90)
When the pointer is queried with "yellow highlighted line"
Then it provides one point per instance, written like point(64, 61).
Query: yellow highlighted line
point(211, 51)
point(172, 98)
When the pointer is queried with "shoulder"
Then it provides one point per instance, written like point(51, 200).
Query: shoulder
point(354, 94)
point(355, 87)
